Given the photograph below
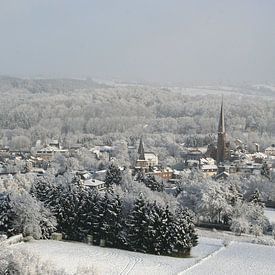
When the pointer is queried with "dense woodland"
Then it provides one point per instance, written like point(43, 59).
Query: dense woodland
point(90, 113)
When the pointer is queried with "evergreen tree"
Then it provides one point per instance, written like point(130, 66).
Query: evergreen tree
point(97, 218)
point(138, 224)
point(111, 224)
point(41, 189)
point(168, 233)
point(86, 212)
point(68, 211)
point(186, 234)
point(156, 229)
point(234, 194)
point(151, 182)
point(48, 192)
point(6, 214)
point(139, 176)
point(113, 176)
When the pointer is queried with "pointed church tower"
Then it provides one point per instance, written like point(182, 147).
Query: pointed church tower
point(221, 138)
point(141, 150)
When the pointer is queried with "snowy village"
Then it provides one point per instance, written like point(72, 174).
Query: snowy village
point(137, 138)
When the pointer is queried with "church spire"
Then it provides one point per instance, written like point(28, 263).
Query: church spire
point(141, 150)
point(221, 128)
point(221, 137)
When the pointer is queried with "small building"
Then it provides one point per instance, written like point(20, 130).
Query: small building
point(94, 183)
point(195, 153)
point(270, 151)
point(55, 143)
point(49, 151)
point(166, 174)
point(209, 170)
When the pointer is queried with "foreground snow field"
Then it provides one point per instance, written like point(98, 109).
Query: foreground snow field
point(70, 255)
point(238, 258)
point(211, 256)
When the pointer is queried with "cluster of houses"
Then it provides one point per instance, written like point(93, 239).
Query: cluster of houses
point(215, 160)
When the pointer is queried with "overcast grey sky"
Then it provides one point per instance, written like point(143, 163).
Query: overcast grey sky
point(148, 40)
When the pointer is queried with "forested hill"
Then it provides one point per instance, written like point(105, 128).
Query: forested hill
point(65, 85)
point(47, 85)
point(79, 110)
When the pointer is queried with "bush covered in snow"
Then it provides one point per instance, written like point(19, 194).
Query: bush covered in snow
point(223, 202)
point(264, 241)
point(21, 213)
point(17, 262)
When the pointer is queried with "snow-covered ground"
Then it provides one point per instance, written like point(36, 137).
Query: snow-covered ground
point(238, 258)
point(70, 255)
point(218, 253)
point(270, 214)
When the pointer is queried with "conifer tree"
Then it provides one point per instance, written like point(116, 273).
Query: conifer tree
point(111, 225)
point(137, 224)
point(97, 216)
point(86, 212)
point(6, 214)
point(113, 176)
point(155, 230)
point(151, 182)
point(186, 235)
point(168, 232)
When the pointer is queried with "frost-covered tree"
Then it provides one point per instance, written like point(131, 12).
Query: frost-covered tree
point(248, 218)
point(239, 225)
point(151, 182)
point(87, 213)
point(67, 211)
point(186, 234)
point(214, 204)
point(63, 197)
point(111, 225)
point(113, 175)
point(6, 214)
point(31, 217)
point(168, 232)
point(255, 197)
point(138, 223)
point(21, 213)
point(154, 229)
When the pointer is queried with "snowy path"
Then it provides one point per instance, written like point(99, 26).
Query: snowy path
point(69, 255)
point(238, 258)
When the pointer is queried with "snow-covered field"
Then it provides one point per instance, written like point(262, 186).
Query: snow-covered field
point(238, 258)
point(70, 255)
point(211, 256)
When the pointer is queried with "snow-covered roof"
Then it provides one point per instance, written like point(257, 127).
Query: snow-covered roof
point(197, 150)
point(93, 182)
point(209, 167)
point(176, 172)
point(102, 148)
point(51, 149)
point(100, 172)
point(260, 155)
